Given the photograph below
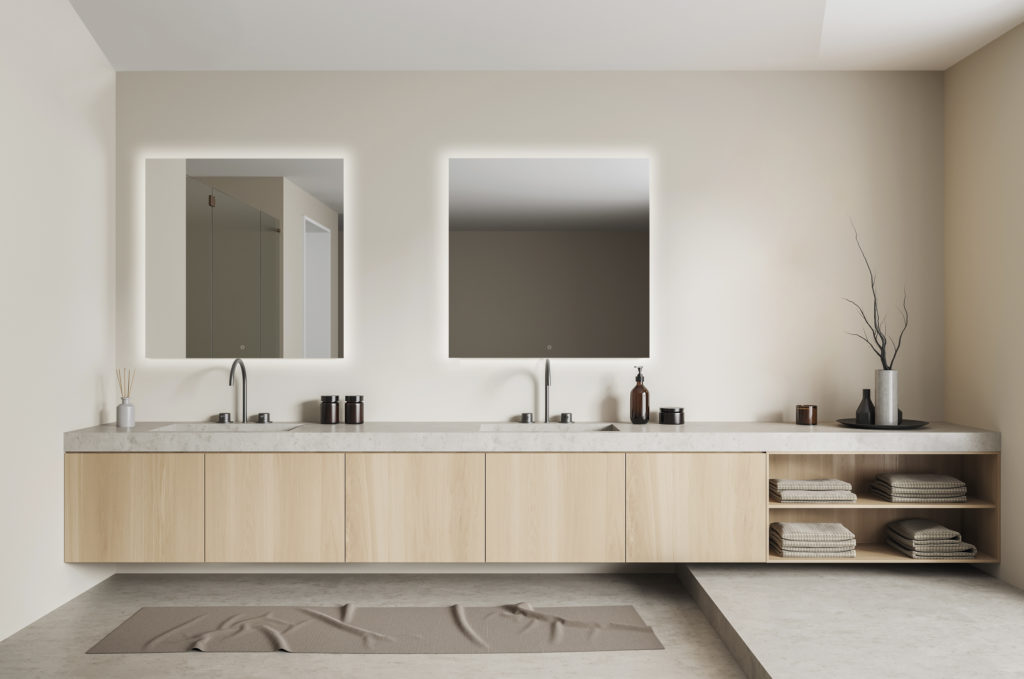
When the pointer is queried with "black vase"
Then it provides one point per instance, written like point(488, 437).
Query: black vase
point(866, 409)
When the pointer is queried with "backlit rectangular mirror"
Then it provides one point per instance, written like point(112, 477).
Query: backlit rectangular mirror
point(244, 258)
point(548, 257)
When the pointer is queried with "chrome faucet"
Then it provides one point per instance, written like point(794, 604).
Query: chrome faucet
point(547, 389)
point(245, 387)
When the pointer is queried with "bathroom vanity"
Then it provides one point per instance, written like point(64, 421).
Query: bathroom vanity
point(503, 493)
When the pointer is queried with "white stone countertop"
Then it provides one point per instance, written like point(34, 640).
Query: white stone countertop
point(514, 437)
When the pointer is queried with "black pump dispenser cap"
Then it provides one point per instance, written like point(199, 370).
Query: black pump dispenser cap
point(639, 373)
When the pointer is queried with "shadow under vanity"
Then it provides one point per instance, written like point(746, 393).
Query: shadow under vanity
point(476, 493)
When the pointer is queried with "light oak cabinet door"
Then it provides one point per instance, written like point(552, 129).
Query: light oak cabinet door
point(546, 507)
point(133, 507)
point(414, 507)
point(275, 507)
point(692, 507)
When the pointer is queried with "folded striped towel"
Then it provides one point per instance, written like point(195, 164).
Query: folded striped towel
point(812, 547)
point(811, 532)
point(810, 554)
point(808, 484)
point(969, 551)
point(813, 496)
point(918, 492)
point(927, 546)
point(922, 529)
point(900, 480)
point(918, 498)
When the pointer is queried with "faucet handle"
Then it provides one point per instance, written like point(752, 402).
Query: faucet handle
point(526, 418)
point(566, 418)
point(224, 418)
point(263, 418)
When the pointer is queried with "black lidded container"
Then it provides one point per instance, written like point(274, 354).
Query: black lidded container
point(671, 416)
point(330, 410)
point(353, 410)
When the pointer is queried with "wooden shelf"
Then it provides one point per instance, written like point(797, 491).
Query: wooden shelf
point(885, 452)
point(871, 502)
point(874, 553)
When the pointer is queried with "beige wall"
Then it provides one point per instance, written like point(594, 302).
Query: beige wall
point(56, 288)
point(755, 177)
point(984, 275)
point(298, 205)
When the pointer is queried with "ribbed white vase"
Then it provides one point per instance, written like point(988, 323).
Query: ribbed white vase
point(886, 397)
point(125, 415)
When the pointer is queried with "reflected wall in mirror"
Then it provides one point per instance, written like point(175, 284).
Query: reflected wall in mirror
point(548, 257)
point(244, 258)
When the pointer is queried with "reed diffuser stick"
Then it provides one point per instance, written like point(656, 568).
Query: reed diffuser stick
point(125, 381)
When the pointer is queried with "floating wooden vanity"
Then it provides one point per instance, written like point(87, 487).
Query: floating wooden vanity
point(453, 494)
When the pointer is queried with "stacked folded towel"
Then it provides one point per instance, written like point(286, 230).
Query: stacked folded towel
point(924, 539)
point(812, 540)
point(919, 488)
point(810, 490)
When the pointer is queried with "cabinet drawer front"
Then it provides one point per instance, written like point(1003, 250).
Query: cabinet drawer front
point(275, 507)
point(133, 507)
point(414, 507)
point(551, 507)
point(690, 507)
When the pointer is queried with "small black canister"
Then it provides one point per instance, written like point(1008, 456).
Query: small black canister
point(671, 416)
point(329, 409)
point(353, 410)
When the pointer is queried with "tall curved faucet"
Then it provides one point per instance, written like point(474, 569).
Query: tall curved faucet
point(547, 389)
point(245, 387)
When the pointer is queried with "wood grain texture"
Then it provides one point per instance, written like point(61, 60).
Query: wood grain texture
point(133, 507)
point(695, 507)
point(556, 507)
point(983, 477)
point(275, 507)
point(414, 507)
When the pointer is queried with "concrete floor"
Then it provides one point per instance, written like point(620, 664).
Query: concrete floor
point(55, 645)
point(839, 621)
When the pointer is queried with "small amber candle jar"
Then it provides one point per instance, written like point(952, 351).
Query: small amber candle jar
point(807, 414)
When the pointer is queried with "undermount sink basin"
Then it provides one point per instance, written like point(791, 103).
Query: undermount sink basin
point(548, 427)
point(237, 427)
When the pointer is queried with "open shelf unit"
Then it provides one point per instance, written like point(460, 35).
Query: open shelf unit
point(977, 519)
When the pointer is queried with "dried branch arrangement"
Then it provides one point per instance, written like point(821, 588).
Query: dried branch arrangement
point(880, 340)
point(125, 381)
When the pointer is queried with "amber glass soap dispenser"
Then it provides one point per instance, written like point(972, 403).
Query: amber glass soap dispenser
point(639, 400)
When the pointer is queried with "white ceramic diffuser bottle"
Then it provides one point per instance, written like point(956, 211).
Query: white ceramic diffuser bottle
point(125, 411)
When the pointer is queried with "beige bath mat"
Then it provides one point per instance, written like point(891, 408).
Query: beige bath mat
point(517, 628)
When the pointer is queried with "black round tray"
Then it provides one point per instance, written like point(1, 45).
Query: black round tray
point(905, 424)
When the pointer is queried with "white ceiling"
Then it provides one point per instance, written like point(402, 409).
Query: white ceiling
point(322, 178)
point(141, 35)
point(526, 194)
